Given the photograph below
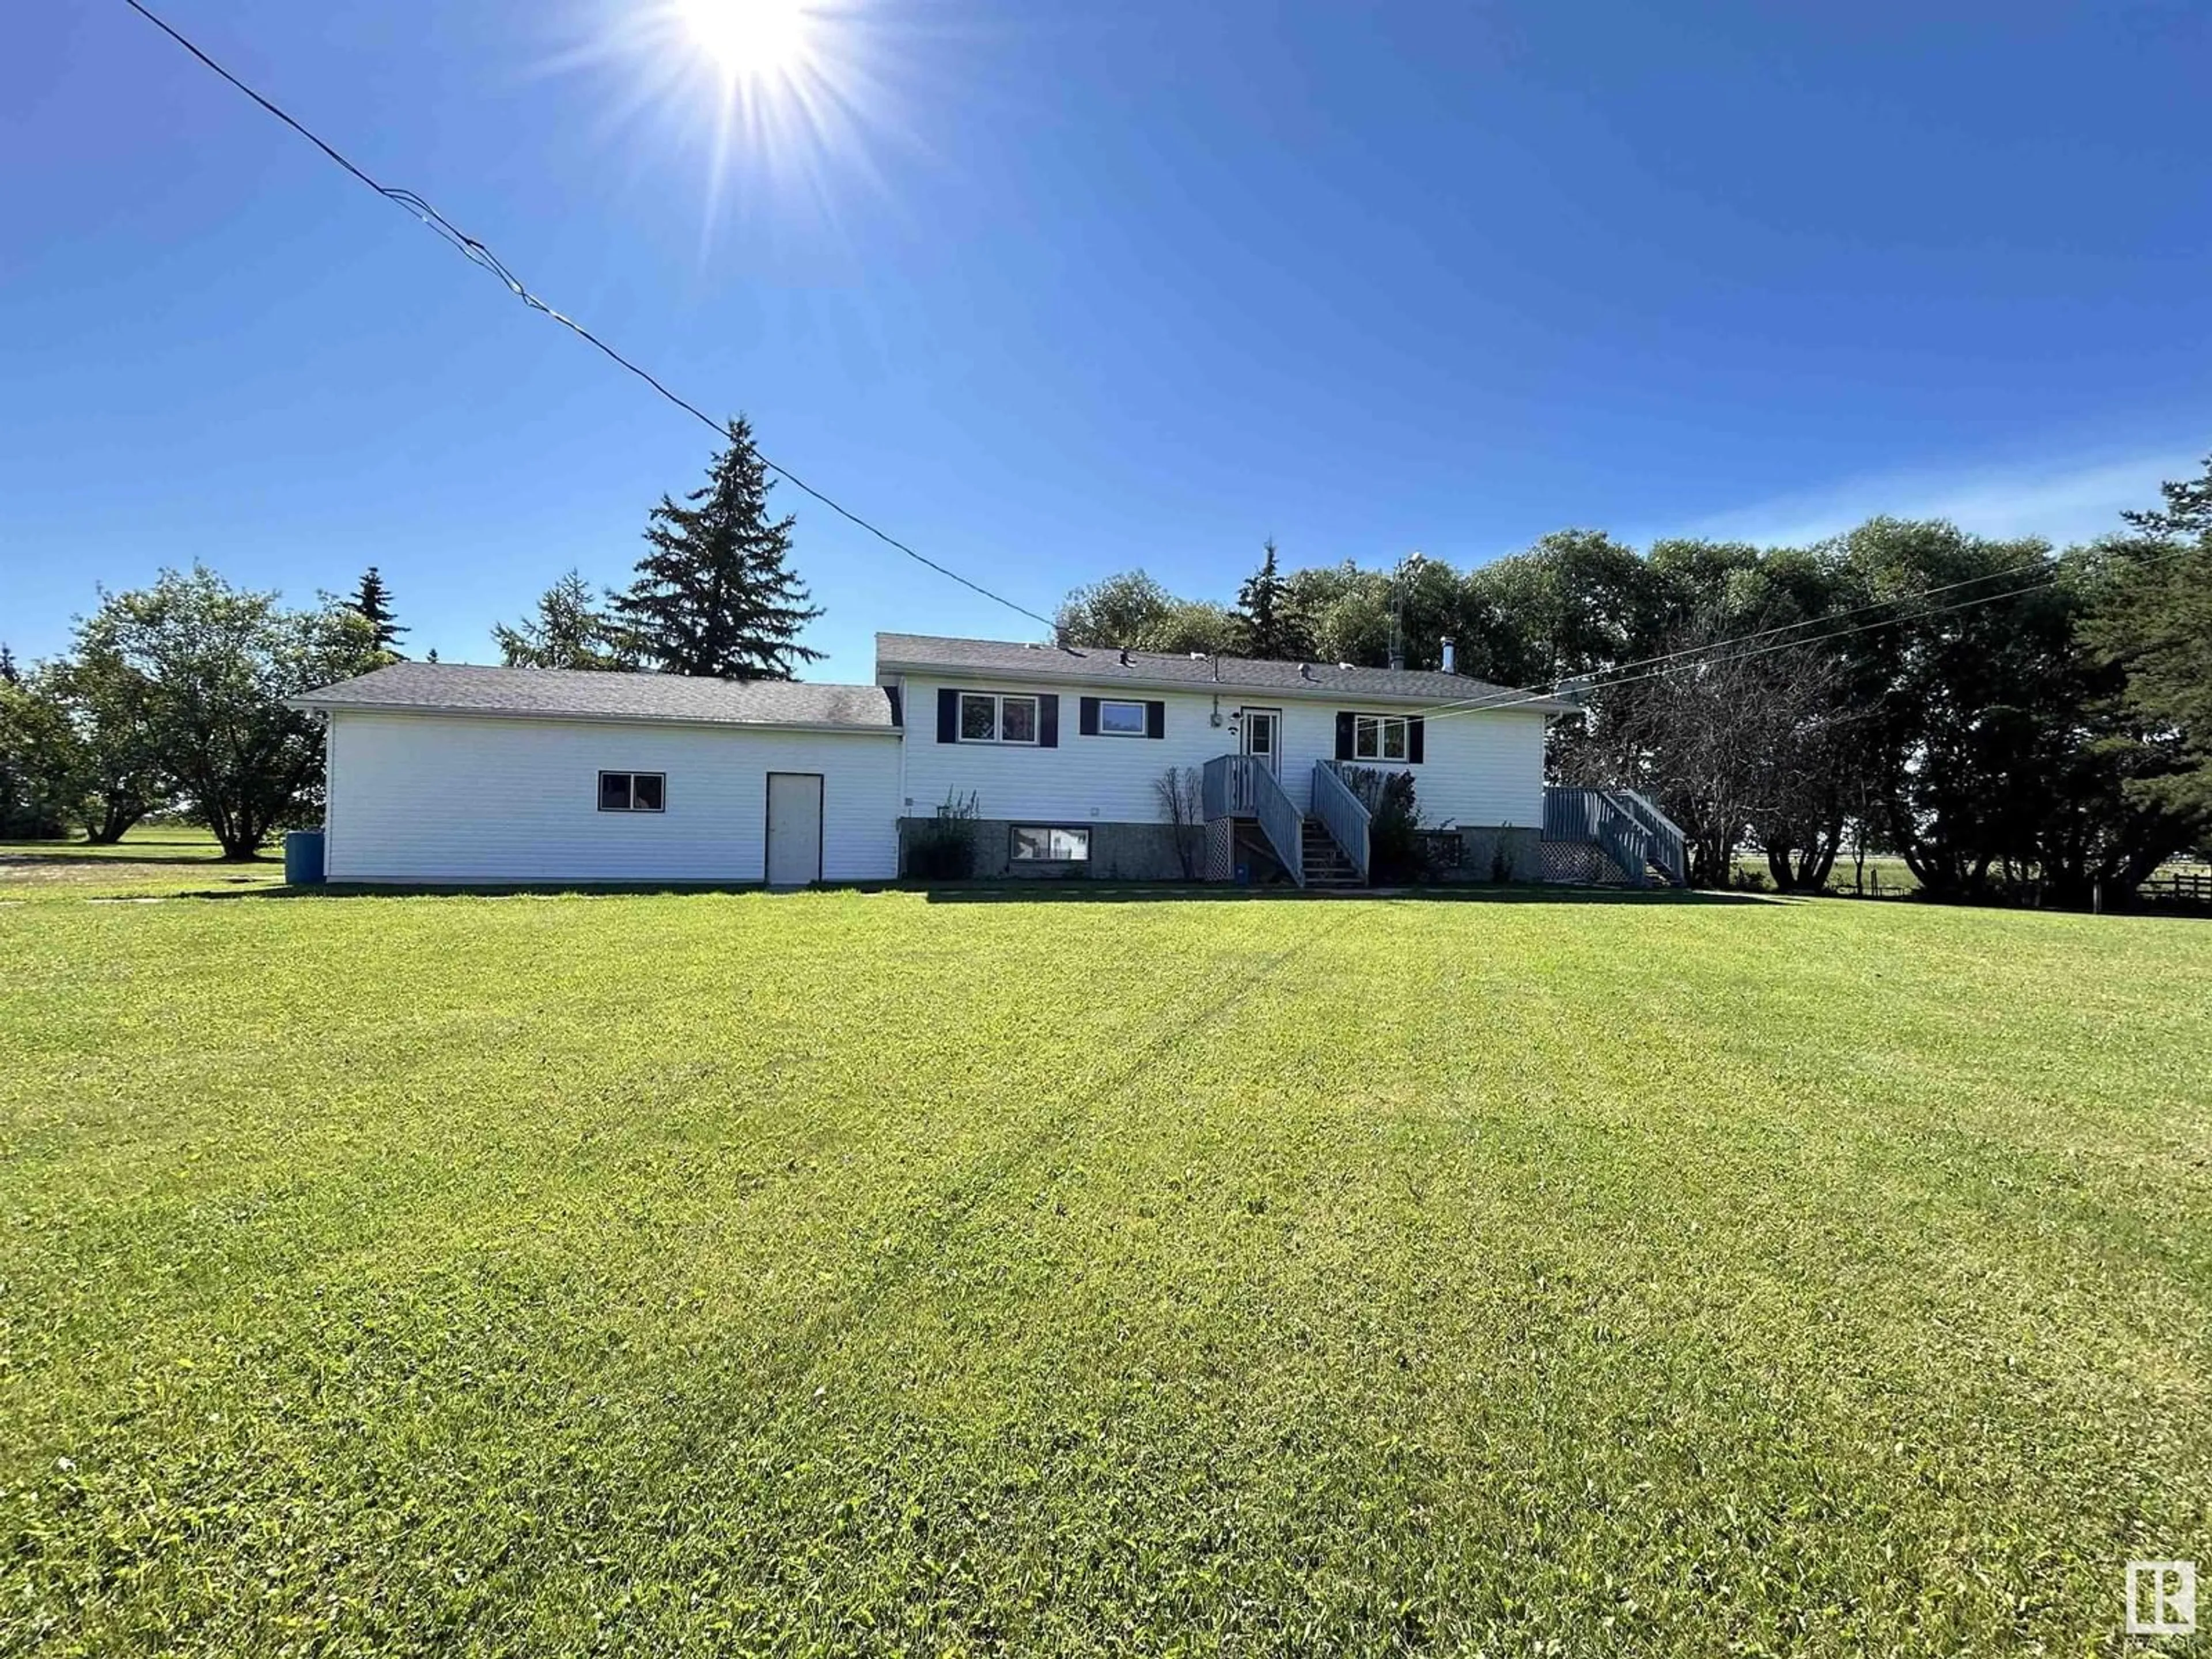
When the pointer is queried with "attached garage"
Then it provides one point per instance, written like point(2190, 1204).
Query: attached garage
point(445, 774)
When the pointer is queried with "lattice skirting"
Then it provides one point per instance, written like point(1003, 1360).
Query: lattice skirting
point(1578, 863)
point(1218, 860)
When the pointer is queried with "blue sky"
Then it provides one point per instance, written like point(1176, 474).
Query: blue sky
point(1051, 291)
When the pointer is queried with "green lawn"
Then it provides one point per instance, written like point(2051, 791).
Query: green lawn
point(872, 1274)
point(1886, 875)
point(150, 860)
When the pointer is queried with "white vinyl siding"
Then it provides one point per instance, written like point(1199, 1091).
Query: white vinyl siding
point(1481, 769)
point(438, 798)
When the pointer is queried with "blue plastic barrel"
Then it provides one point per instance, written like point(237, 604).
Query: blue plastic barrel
point(303, 857)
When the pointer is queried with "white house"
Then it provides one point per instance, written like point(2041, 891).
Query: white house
point(1077, 740)
point(1051, 759)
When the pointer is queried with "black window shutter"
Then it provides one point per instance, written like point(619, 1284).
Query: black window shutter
point(948, 716)
point(1048, 720)
point(1087, 716)
point(1344, 737)
point(1156, 719)
point(1414, 739)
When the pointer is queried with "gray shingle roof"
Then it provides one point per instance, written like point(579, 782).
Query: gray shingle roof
point(1101, 665)
point(454, 688)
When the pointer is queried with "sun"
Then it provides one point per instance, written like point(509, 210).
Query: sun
point(750, 39)
point(783, 98)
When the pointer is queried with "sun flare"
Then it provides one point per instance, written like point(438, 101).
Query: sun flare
point(782, 100)
point(750, 39)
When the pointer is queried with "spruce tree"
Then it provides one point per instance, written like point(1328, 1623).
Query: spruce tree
point(372, 599)
point(714, 597)
point(569, 631)
point(1269, 625)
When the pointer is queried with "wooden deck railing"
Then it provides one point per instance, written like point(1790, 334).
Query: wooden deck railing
point(1225, 789)
point(1338, 805)
point(1669, 849)
point(1633, 833)
point(1243, 785)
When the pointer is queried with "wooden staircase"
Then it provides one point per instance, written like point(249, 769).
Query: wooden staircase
point(1618, 830)
point(1327, 848)
point(1326, 864)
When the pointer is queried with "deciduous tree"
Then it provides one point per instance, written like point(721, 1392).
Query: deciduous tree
point(1121, 613)
point(122, 772)
point(217, 663)
point(41, 761)
point(1722, 740)
point(1131, 611)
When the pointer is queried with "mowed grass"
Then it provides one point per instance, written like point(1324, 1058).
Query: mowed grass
point(151, 860)
point(849, 1273)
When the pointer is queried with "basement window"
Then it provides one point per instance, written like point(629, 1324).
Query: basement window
point(1050, 844)
point(1378, 737)
point(633, 791)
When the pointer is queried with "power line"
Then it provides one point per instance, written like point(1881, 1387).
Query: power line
point(1608, 682)
point(1474, 704)
point(478, 254)
point(1524, 696)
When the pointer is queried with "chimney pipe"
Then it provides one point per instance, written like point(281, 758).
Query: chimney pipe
point(1451, 655)
point(1397, 657)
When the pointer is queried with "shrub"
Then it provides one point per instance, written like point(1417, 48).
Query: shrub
point(944, 848)
point(1183, 800)
point(1396, 853)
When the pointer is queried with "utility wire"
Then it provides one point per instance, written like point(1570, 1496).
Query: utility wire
point(478, 254)
point(1523, 696)
point(1481, 702)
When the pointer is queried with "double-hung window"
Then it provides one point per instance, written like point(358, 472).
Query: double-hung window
point(987, 717)
point(633, 791)
point(1379, 737)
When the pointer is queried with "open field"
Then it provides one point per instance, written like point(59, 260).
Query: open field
point(872, 1273)
point(1885, 876)
point(149, 860)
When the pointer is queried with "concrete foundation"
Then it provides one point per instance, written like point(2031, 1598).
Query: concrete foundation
point(1119, 852)
point(1146, 852)
point(1493, 854)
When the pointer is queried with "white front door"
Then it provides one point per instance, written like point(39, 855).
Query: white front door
point(795, 829)
point(1261, 735)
